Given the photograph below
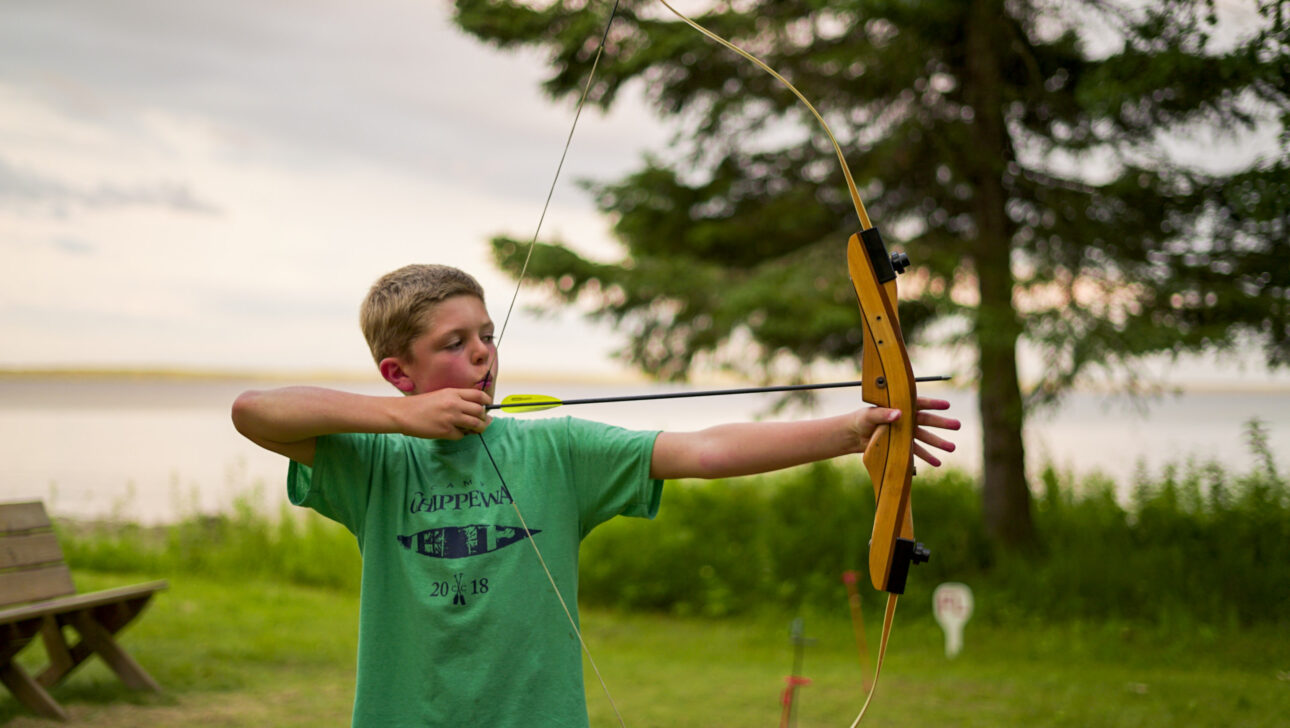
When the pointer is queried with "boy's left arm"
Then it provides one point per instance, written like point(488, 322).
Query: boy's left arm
point(731, 450)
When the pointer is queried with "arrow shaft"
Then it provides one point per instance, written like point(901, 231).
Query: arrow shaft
point(710, 393)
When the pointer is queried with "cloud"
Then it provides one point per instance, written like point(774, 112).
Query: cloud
point(386, 82)
point(218, 181)
point(25, 191)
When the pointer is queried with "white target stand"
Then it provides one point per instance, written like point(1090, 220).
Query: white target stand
point(952, 605)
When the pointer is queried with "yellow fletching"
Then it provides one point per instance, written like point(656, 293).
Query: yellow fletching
point(529, 403)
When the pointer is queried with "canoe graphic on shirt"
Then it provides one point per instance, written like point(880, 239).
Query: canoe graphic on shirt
point(457, 542)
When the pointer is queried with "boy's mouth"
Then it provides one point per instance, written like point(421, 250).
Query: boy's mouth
point(487, 380)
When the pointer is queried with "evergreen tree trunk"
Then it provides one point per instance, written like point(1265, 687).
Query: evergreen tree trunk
point(1005, 493)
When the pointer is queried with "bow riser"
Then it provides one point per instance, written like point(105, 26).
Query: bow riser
point(888, 382)
point(907, 529)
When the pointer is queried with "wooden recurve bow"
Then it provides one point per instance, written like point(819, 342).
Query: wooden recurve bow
point(888, 382)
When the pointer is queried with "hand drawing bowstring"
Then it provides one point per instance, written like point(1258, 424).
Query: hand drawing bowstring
point(865, 223)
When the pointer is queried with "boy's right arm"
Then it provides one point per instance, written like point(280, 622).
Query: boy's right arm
point(288, 421)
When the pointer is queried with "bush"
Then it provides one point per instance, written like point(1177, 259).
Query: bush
point(1193, 544)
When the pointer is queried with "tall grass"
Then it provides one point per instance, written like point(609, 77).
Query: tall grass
point(247, 543)
point(1194, 544)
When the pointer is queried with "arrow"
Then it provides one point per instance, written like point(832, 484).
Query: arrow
point(538, 402)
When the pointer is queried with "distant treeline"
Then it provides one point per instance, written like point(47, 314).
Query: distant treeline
point(1195, 544)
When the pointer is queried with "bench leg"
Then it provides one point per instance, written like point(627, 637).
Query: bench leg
point(100, 641)
point(29, 692)
point(96, 629)
point(61, 660)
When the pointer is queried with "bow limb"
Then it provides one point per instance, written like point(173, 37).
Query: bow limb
point(858, 203)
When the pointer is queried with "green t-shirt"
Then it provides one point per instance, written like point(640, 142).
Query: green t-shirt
point(458, 624)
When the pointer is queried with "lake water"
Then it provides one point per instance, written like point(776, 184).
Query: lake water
point(152, 449)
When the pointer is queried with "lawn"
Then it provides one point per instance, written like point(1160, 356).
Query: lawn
point(258, 654)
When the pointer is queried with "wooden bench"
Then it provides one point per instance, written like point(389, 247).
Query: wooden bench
point(37, 597)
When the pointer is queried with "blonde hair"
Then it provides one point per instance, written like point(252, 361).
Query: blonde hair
point(394, 313)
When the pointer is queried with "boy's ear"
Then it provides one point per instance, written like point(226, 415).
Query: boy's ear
point(392, 370)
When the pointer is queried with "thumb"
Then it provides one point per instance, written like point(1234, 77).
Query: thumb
point(882, 415)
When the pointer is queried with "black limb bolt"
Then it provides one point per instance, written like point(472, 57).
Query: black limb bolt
point(899, 261)
point(907, 552)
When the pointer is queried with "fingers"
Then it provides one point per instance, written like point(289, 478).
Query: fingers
point(450, 414)
point(927, 403)
point(941, 423)
point(477, 396)
point(932, 439)
point(926, 456)
point(482, 416)
point(467, 425)
point(880, 415)
point(925, 417)
point(473, 417)
point(925, 420)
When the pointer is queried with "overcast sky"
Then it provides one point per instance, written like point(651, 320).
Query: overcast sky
point(215, 183)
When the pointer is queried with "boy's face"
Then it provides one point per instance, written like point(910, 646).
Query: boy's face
point(456, 351)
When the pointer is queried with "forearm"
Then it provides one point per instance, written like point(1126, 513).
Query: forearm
point(295, 414)
point(732, 450)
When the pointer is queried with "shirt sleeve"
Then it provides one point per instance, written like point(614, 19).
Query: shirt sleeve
point(611, 472)
point(338, 484)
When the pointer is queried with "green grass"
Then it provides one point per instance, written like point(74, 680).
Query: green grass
point(695, 673)
point(235, 652)
point(226, 653)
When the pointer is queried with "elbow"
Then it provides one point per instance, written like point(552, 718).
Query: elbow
point(244, 409)
point(710, 465)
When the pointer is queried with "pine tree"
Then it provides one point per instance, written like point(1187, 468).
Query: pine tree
point(1026, 154)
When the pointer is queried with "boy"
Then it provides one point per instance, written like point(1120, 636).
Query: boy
point(458, 623)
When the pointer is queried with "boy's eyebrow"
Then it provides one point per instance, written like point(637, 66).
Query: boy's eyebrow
point(489, 326)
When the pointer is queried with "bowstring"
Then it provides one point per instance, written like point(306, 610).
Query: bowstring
point(551, 577)
point(577, 114)
point(861, 212)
